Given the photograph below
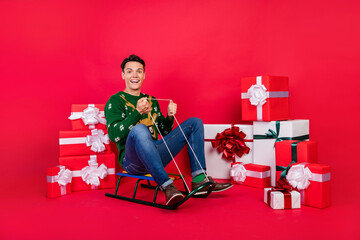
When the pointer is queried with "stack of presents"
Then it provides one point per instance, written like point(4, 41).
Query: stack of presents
point(86, 160)
point(274, 154)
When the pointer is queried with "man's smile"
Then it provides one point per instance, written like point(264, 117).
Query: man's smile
point(135, 81)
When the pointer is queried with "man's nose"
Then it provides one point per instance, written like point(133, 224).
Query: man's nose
point(134, 74)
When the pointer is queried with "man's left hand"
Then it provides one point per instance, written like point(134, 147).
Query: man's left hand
point(172, 108)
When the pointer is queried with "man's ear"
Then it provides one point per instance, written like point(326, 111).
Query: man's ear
point(123, 75)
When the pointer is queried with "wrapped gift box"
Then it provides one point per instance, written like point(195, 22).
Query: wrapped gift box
point(58, 181)
point(267, 133)
point(313, 182)
point(282, 199)
point(265, 98)
point(87, 116)
point(217, 165)
point(83, 142)
point(292, 151)
point(250, 174)
point(91, 171)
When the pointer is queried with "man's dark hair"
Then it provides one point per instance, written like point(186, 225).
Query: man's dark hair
point(132, 58)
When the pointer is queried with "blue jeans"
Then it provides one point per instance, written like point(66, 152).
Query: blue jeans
point(144, 155)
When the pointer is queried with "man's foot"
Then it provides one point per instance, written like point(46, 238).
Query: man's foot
point(219, 187)
point(173, 196)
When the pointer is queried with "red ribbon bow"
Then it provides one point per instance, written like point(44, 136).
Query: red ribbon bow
point(230, 142)
point(283, 185)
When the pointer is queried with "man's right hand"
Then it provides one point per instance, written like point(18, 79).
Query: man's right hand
point(143, 106)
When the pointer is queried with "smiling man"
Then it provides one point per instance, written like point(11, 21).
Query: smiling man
point(130, 115)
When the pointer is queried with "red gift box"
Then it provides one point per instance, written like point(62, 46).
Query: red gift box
point(292, 151)
point(87, 116)
point(313, 181)
point(265, 98)
point(58, 181)
point(250, 174)
point(91, 171)
point(83, 142)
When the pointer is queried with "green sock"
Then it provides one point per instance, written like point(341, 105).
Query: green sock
point(199, 178)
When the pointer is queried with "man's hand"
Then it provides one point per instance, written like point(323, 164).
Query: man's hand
point(172, 108)
point(143, 106)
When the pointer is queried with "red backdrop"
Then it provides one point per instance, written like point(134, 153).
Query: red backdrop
point(56, 53)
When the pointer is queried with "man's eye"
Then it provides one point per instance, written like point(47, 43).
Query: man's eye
point(128, 72)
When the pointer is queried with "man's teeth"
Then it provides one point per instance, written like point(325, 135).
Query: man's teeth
point(134, 81)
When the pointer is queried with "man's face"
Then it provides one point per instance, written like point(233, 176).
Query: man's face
point(133, 75)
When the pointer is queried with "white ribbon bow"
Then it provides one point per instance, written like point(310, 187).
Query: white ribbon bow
point(64, 176)
point(257, 94)
point(238, 173)
point(91, 116)
point(96, 140)
point(298, 176)
point(91, 174)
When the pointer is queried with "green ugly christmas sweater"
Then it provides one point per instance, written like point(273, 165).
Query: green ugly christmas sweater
point(121, 116)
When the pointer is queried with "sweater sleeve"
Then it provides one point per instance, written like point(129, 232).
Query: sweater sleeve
point(118, 122)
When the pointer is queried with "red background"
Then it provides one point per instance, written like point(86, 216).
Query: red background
point(55, 53)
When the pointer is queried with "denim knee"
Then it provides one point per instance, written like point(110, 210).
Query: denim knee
point(140, 131)
point(197, 123)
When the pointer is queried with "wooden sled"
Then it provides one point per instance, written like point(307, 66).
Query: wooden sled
point(149, 178)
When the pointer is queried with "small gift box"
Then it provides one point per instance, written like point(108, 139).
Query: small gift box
point(91, 172)
point(292, 151)
point(83, 142)
point(265, 98)
point(250, 174)
point(266, 134)
point(58, 181)
point(87, 116)
point(282, 196)
point(313, 182)
point(225, 144)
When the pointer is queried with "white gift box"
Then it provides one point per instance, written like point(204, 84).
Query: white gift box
point(278, 201)
point(216, 166)
point(264, 140)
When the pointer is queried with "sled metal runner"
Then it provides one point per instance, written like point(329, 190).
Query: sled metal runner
point(149, 178)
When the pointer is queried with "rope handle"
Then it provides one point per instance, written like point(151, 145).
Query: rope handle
point(192, 150)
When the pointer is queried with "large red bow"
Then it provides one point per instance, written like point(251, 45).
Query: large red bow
point(230, 142)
